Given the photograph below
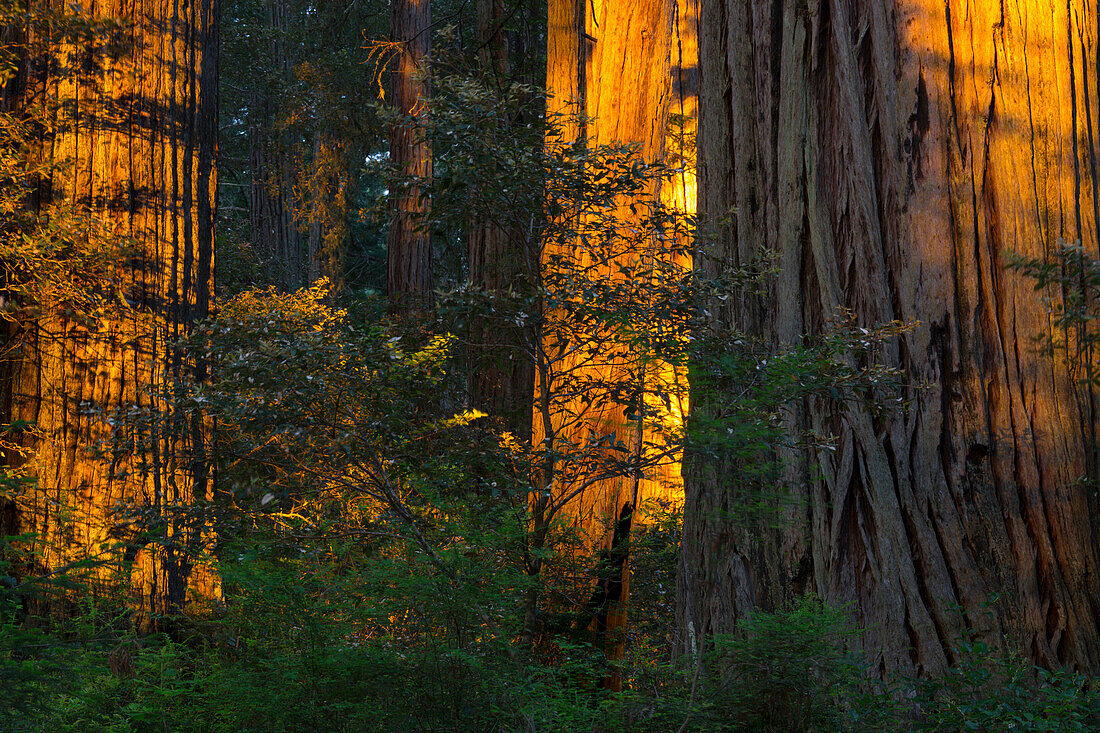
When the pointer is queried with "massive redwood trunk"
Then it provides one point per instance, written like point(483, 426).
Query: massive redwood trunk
point(132, 143)
point(892, 154)
point(409, 252)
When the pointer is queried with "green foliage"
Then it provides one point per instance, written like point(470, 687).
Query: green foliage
point(789, 671)
point(988, 689)
point(295, 103)
point(654, 563)
point(300, 648)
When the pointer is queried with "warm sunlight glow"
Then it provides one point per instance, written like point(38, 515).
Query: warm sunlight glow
point(656, 83)
point(124, 138)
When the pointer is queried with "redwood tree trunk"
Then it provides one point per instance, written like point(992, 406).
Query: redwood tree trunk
point(613, 63)
point(409, 253)
point(502, 263)
point(892, 154)
point(134, 148)
point(610, 62)
point(274, 232)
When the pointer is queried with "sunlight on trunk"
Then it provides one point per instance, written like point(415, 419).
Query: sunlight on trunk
point(893, 156)
point(630, 70)
point(131, 139)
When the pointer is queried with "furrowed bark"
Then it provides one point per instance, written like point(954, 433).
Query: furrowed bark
point(134, 147)
point(892, 154)
point(409, 255)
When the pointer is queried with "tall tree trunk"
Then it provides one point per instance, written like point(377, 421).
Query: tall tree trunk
point(611, 62)
point(275, 234)
point(502, 263)
point(134, 146)
point(891, 154)
point(409, 252)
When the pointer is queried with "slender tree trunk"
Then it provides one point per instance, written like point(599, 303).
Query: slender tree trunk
point(326, 209)
point(492, 49)
point(503, 264)
point(892, 154)
point(134, 146)
point(274, 232)
point(409, 253)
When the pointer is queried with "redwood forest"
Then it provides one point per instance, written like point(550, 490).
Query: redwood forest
point(549, 365)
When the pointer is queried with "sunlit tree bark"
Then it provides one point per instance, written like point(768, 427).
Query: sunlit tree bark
point(131, 141)
point(628, 103)
point(409, 258)
point(614, 70)
point(892, 154)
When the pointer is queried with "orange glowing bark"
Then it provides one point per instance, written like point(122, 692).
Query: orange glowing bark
point(634, 101)
point(892, 153)
point(620, 65)
point(133, 138)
